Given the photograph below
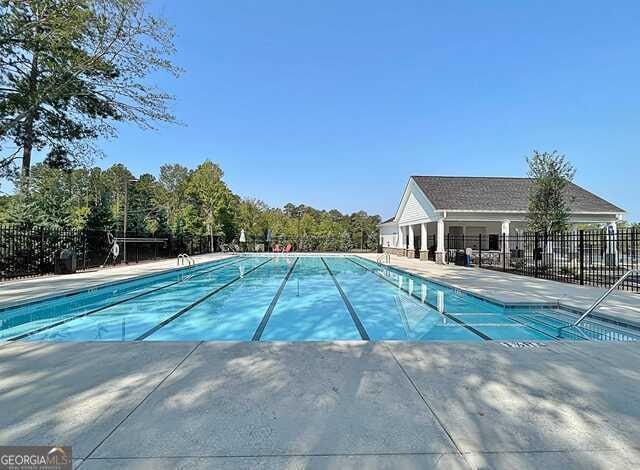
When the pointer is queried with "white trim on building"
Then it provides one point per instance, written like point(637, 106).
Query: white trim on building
point(419, 227)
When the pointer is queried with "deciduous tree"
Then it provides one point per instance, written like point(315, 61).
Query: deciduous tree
point(69, 69)
point(550, 175)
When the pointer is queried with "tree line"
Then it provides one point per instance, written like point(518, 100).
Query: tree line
point(179, 202)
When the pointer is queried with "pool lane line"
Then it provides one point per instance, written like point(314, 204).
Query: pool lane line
point(113, 304)
point(435, 307)
point(104, 285)
point(267, 315)
point(449, 316)
point(184, 310)
point(354, 316)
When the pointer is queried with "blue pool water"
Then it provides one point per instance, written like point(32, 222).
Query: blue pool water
point(290, 298)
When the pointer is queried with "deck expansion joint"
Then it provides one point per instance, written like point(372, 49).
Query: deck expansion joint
point(457, 447)
point(267, 315)
point(156, 387)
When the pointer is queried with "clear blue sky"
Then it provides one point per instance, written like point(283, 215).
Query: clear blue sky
point(336, 103)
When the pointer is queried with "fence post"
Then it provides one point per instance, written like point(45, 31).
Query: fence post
point(504, 252)
point(480, 250)
point(42, 271)
point(535, 254)
point(581, 248)
point(84, 250)
point(446, 248)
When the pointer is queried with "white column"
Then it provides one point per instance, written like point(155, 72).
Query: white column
point(423, 237)
point(399, 241)
point(505, 227)
point(505, 238)
point(410, 246)
point(611, 247)
point(440, 241)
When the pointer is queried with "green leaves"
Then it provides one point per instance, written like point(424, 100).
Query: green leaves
point(180, 202)
point(70, 68)
point(550, 174)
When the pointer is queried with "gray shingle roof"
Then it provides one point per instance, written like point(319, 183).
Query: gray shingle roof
point(499, 194)
point(390, 219)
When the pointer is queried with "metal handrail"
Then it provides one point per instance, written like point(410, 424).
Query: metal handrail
point(182, 257)
point(604, 296)
point(384, 257)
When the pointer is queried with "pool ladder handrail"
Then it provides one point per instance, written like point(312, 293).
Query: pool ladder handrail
point(228, 247)
point(183, 257)
point(597, 303)
point(384, 257)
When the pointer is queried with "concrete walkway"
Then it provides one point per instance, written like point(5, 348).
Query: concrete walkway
point(514, 289)
point(20, 290)
point(392, 405)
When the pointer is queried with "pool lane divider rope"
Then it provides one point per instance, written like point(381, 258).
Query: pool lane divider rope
point(449, 316)
point(354, 316)
point(265, 318)
point(184, 310)
point(113, 304)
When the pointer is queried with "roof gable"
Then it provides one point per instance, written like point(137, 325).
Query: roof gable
point(414, 205)
point(499, 194)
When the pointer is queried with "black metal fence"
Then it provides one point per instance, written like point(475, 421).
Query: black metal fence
point(312, 244)
point(32, 251)
point(585, 257)
point(27, 251)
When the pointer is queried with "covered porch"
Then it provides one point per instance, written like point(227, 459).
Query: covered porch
point(431, 240)
point(439, 216)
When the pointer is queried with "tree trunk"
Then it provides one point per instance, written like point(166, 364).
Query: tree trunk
point(211, 230)
point(27, 147)
point(28, 136)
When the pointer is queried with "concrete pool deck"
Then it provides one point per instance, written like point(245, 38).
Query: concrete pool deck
point(513, 289)
point(325, 405)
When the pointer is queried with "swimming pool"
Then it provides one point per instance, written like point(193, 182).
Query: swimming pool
point(290, 298)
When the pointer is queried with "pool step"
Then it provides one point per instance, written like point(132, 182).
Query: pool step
point(589, 329)
point(546, 324)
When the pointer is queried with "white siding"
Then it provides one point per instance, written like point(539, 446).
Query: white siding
point(413, 210)
point(389, 235)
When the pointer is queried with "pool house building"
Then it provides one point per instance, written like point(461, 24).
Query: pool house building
point(436, 212)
